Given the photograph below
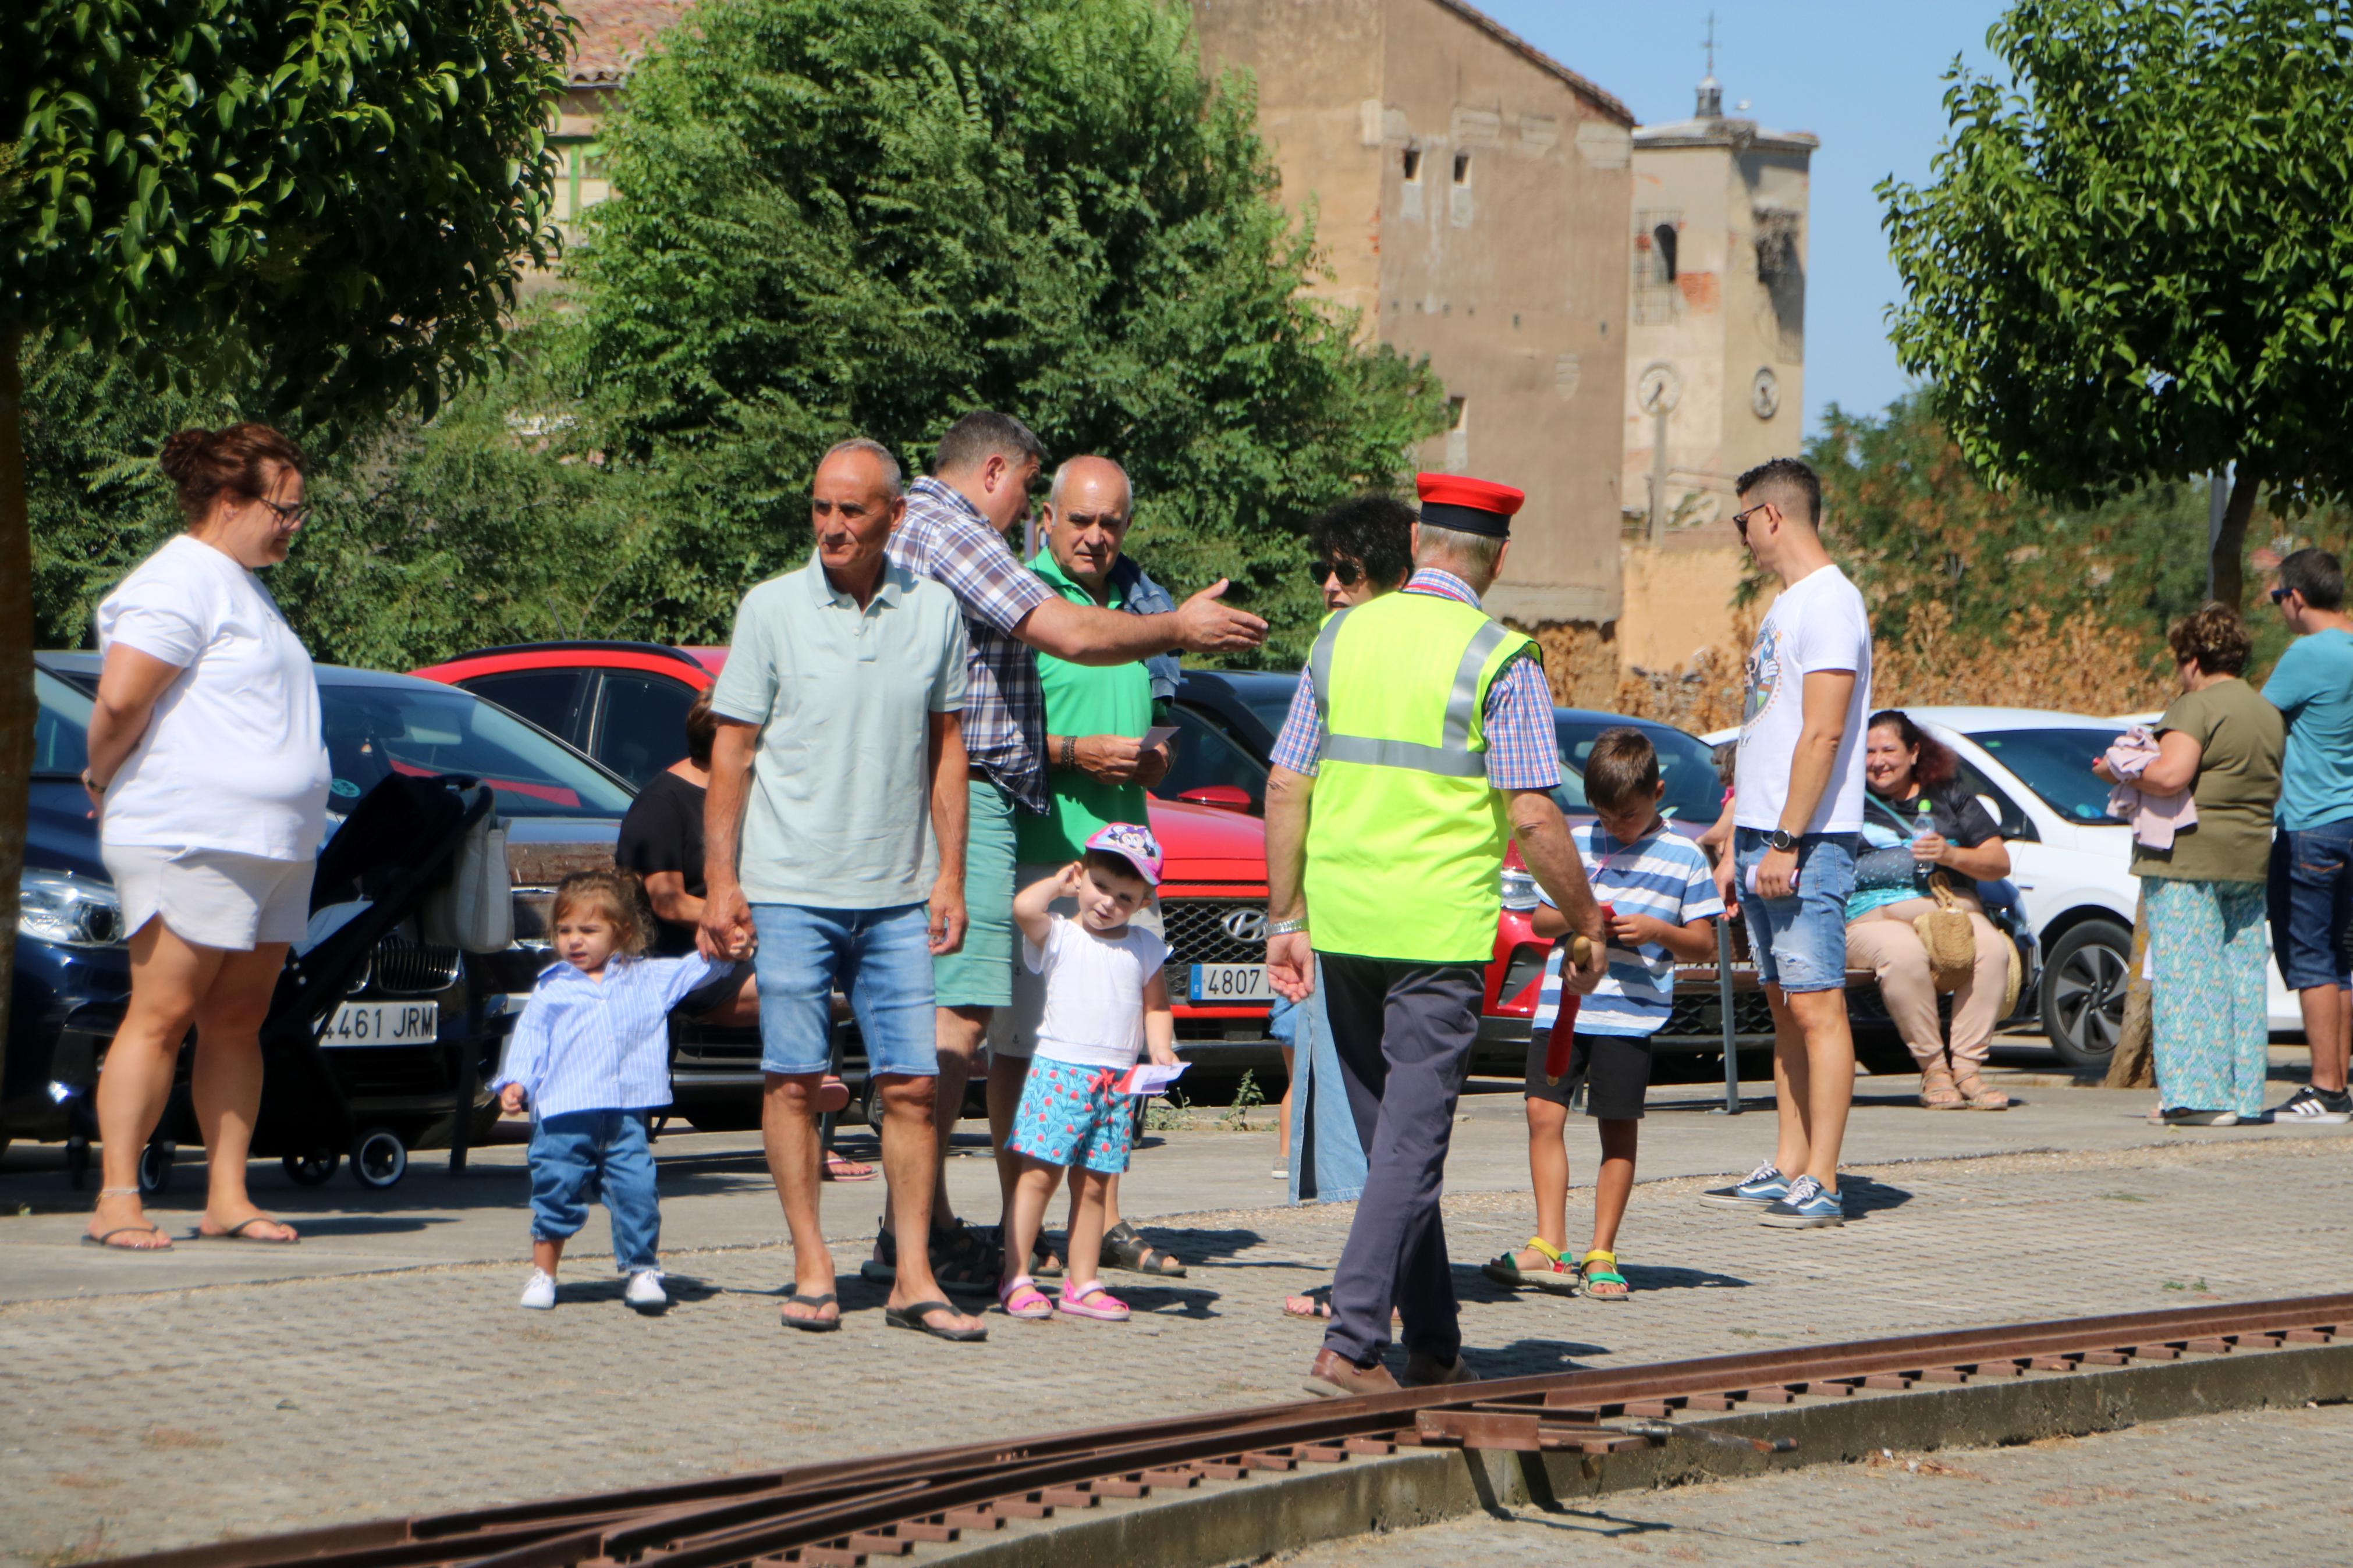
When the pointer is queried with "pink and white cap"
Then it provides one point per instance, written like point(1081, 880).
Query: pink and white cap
point(1134, 844)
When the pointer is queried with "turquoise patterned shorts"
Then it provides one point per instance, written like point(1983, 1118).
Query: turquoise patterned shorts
point(1071, 1115)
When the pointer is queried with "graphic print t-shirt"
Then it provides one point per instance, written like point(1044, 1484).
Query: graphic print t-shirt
point(1819, 623)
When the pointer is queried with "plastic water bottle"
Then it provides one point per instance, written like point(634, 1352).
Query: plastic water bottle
point(1924, 823)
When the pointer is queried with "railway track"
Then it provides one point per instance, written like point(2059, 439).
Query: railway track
point(846, 1513)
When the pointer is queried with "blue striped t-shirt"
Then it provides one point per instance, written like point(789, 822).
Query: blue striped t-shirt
point(1662, 875)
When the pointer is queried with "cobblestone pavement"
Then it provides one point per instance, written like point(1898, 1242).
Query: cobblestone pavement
point(134, 1422)
point(2254, 1488)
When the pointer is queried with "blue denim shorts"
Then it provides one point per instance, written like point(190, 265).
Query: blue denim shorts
point(882, 958)
point(2312, 904)
point(1800, 941)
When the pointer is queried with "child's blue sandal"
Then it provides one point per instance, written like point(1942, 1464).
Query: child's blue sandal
point(1600, 1269)
point(1558, 1277)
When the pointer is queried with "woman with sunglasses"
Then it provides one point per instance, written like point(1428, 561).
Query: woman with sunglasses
point(209, 778)
point(1364, 547)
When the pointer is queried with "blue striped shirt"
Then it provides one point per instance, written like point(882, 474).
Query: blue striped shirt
point(1523, 749)
point(583, 1044)
point(1663, 876)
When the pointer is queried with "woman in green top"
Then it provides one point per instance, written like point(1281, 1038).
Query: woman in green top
point(2222, 742)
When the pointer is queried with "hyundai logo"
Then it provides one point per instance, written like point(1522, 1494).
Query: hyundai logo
point(1245, 925)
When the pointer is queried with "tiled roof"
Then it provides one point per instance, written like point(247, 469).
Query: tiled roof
point(613, 34)
point(1609, 103)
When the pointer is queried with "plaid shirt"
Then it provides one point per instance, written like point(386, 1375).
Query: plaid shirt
point(943, 537)
point(1523, 751)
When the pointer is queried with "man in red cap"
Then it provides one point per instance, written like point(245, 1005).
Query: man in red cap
point(1420, 741)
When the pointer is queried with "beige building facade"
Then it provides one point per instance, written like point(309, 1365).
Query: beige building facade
point(1470, 196)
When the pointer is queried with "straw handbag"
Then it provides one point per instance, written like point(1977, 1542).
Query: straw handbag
point(1946, 932)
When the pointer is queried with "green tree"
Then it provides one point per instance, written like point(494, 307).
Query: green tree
point(2133, 263)
point(838, 216)
point(329, 200)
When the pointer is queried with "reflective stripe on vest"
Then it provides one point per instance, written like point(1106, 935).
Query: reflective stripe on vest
point(1452, 756)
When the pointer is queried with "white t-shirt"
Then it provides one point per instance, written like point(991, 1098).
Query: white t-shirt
point(1094, 991)
point(234, 758)
point(1818, 622)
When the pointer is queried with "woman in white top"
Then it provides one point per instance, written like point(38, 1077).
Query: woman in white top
point(210, 776)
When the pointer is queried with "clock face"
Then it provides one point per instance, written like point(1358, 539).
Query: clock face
point(1765, 393)
point(1658, 390)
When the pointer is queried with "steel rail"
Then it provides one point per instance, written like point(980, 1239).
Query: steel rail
point(839, 1511)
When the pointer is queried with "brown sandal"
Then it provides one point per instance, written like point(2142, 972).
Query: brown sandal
point(1938, 1091)
point(1976, 1096)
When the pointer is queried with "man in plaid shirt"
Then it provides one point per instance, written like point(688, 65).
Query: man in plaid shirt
point(955, 533)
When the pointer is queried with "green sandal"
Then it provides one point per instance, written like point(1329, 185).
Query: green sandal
point(1559, 1279)
point(1605, 1272)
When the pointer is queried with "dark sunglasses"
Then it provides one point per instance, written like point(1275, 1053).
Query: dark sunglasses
point(1348, 571)
point(1740, 519)
point(2279, 595)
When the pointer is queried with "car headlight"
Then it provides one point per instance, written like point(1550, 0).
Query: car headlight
point(1519, 889)
point(59, 906)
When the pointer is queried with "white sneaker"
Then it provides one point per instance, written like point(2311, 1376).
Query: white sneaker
point(645, 1292)
point(539, 1291)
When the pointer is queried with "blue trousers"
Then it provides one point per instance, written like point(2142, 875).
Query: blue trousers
point(576, 1156)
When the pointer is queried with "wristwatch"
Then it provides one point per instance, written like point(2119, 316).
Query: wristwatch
point(1780, 839)
point(1285, 928)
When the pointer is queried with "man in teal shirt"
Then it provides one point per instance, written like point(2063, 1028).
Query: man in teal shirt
point(1097, 770)
point(2311, 855)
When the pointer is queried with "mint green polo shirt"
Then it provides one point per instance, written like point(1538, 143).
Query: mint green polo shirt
point(843, 697)
point(1084, 700)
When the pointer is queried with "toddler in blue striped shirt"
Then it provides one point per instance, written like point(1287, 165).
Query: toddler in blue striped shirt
point(1659, 898)
point(590, 1057)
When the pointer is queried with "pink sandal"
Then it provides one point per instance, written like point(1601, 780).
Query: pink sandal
point(1021, 1298)
point(1081, 1302)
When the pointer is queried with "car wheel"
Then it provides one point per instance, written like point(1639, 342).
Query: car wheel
point(2083, 992)
point(155, 1168)
point(379, 1158)
point(312, 1169)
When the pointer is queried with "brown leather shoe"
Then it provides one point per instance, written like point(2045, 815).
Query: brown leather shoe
point(1423, 1371)
point(1334, 1376)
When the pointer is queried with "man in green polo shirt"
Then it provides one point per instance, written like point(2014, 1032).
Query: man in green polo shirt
point(1097, 769)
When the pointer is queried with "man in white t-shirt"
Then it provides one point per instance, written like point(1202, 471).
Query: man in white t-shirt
point(1797, 810)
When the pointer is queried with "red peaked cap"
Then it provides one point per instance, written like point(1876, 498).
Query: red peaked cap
point(1467, 505)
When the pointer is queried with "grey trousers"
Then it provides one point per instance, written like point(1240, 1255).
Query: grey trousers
point(1403, 1033)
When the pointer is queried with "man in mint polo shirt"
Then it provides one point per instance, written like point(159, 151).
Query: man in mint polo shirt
point(844, 850)
point(1097, 771)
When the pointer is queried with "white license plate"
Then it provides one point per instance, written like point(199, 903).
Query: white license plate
point(1231, 983)
point(384, 1023)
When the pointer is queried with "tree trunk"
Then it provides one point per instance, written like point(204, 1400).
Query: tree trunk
point(2227, 565)
point(2134, 1066)
point(17, 709)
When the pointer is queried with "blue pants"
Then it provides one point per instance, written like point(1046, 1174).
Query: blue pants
point(576, 1156)
point(2311, 897)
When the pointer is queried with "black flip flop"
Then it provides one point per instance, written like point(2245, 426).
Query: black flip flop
point(105, 1238)
point(237, 1233)
point(811, 1325)
point(911, 1316)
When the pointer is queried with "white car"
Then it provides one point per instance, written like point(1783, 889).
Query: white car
point(2070, 860)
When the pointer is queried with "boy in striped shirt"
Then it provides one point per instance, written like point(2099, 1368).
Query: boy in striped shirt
point(1658, 895)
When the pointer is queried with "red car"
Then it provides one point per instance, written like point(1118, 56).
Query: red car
point(624, 703)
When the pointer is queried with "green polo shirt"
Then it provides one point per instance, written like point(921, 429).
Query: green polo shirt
point(843, 697)
point(1084, 699)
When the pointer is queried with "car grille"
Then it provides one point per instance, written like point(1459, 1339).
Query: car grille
point(1198, 933)
point(404, 968)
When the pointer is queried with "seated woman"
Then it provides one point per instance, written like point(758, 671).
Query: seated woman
point(661, 841)
point(1913, 774)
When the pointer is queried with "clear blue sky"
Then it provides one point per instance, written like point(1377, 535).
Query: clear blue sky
point(1863, 75)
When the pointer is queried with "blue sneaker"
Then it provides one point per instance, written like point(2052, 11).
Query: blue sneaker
point(1806, 1207)
point(1763, 1185)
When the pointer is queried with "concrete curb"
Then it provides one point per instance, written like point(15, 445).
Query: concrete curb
point(1243, 1521)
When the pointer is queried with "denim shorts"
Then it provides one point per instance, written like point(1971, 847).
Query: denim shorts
point(2312, 904)
point(882, 958)
point(1800, 941)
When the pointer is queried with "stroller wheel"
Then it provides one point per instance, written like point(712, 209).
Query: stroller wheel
point(379, 1158)
point(312, 1169)
point(155, 1168)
